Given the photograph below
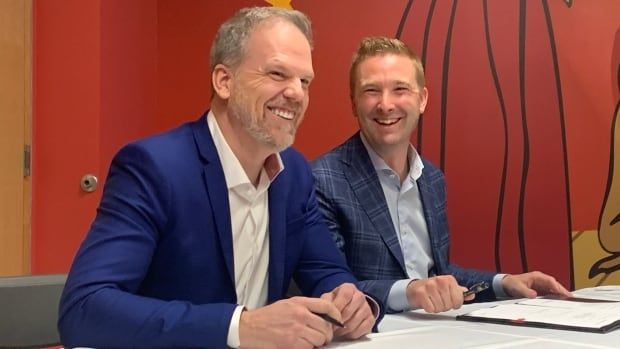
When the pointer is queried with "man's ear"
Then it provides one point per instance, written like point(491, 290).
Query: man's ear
point(423, 99)
point(353, 104)
point(221, 79)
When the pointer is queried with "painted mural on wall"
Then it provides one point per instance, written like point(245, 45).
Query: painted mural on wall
point(522, 118)
point(609, 223)
point(505, 157)
point(504, 122)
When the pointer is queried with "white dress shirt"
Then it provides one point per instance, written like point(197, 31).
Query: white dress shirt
point(249, 217)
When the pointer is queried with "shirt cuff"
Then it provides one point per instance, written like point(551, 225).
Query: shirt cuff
point(233, 329)
point(374, 306)
point(397, 298)
point(497, 286)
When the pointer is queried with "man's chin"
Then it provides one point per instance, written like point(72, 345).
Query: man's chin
point(285, 143)
point(273, 142)
point(280, 147)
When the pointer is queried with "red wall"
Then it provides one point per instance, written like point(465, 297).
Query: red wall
point(95, 88)
point(66, 113)
point(107, 72)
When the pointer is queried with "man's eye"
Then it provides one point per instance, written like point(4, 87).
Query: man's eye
point(276, 75)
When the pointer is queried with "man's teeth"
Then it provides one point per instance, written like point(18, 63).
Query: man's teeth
point(387, 122)
point(285, 114)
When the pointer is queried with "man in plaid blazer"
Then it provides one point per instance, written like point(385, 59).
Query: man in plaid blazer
point(386, 206)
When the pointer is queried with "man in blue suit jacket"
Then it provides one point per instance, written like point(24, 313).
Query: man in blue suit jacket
point(200, 229)
point(386, 206)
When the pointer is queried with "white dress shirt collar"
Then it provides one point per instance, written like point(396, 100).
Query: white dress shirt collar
point(415, 161)
point(233, 171)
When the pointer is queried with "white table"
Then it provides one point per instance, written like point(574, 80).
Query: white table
point(417, 329)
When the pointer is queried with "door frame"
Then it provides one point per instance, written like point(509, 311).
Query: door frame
point(15, 135)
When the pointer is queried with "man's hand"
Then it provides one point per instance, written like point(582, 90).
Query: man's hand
point(436, 294)
point(357, 316)
point(288, 323)
point(533, 284)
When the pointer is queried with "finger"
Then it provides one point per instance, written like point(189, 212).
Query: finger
point(445, 286)
point(328, 296)
point(445, 299)
point(560, 290)
point(303, 342)
point(317, 330)
point(358, 300)
point(364, 327)
point(438, 299)
point(320, 306)
point(456, 296)
point(462, 290)
point(357, 315)
point(343, 295)
point(469, 298)
point(521, 290)
point(429, 305)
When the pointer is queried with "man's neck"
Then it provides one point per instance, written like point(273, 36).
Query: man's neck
point(250, 153)
point(397, 159)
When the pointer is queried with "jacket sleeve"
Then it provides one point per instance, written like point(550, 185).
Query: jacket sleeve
point(377, 289)
point(100, 305)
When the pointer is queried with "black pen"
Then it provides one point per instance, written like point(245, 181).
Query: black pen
point(481, 286)
point(329, 319)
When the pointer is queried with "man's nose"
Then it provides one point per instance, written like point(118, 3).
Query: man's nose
point(295, 90)
point(386, 103)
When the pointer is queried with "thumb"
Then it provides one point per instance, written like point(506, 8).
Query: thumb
point(521, 290)
point(467, 298)
point(328, 296)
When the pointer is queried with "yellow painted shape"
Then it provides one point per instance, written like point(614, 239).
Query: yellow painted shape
point(609, 233)
point(586, 251)
point(280, 3)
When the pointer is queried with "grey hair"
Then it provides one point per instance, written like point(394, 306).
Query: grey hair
point(230, 40)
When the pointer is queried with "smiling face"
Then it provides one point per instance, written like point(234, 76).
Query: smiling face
point(268, 90)
point(388, 101)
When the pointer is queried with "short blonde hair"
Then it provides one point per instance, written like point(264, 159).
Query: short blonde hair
point(381, 45)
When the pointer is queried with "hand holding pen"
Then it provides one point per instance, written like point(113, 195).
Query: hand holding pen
point(357, 316)
point(273, 324)
point(437, 294)
point(476, 288)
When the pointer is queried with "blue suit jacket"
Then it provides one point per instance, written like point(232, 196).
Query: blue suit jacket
point(156, 268)
point(352, 200)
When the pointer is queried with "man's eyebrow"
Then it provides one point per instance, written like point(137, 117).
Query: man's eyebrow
point(368, 83)
point(283, 68)
point(308, 76)
point(401, 83)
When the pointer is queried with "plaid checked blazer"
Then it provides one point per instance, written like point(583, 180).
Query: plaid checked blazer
point(353, 204)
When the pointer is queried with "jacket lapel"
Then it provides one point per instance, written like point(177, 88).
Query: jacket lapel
point(277, 237)
point(215, 182)
point(429, 198)
point(364, 182)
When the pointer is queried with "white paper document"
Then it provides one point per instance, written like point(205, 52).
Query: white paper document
point(611, 293)
point(579, 314)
